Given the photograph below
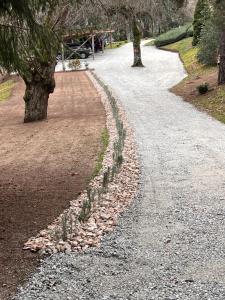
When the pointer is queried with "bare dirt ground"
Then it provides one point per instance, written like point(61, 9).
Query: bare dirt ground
point(213, 102)
point(43, 166)
point(187, 89)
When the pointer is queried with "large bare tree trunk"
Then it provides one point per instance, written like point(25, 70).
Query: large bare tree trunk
point(38, 88)
point(137, 45)
point(221, 76)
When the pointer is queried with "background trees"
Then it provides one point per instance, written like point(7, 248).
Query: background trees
point(31, 34)
point(29, 48)
point(202, 14)
point(142, 16)
point(210, 34)
point(208, 43)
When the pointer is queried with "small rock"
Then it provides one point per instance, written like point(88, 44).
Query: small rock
point(74, 243)
point(189, 280)
point(105, 216)
point(43, 233)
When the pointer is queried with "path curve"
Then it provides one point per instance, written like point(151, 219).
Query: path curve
point(170, 244)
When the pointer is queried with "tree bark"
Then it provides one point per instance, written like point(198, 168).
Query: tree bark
point(128, 33)
point(38, 88)
point(221, 76)
point(137, 45)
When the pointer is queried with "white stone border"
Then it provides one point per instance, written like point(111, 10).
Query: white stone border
point(104, 211)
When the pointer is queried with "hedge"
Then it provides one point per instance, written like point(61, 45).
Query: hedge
point(174, 35)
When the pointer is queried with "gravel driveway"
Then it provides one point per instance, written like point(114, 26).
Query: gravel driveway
point(171, 243)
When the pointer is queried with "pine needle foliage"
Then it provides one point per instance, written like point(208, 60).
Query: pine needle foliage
point(25, 34)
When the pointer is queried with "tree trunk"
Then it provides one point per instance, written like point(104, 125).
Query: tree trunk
point(137, 45)
point(221, 76)
point(38, 88)
point(128, 33)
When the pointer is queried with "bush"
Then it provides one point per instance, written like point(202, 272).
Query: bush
point(208, 45)
point(203, 88)
point(174, 35)
point(202, 14)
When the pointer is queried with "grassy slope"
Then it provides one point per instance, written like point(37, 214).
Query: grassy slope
point(188, 55)
point(6, 89)
point(214, 101)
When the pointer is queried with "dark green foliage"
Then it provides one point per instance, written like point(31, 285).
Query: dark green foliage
point(219, 14)
point(210, 34)
point(203, 88)
point(174, 35)
point(208, 45)
point(21, 34)
point(24, 10)
point(202, 14)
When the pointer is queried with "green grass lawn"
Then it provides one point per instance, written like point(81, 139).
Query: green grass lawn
point(188, 55)
point(213, 103)
point(6, 90)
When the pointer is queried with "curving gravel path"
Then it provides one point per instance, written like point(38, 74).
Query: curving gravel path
point(170, 244)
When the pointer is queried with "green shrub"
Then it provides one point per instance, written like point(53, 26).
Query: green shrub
point(202, 14)
point(208, 45)
point(203, 88)
point(174, 35)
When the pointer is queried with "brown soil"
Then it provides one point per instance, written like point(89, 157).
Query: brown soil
point(213, 102)
point(188, 87)
point(43, 166)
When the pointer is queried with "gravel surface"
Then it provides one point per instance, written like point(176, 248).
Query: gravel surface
point(170, 243)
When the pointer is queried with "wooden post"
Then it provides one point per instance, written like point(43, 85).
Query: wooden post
point(63, 57)
point(93, 45)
